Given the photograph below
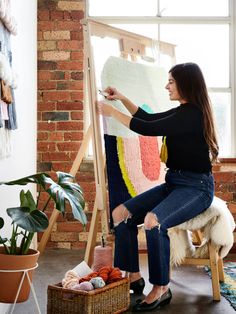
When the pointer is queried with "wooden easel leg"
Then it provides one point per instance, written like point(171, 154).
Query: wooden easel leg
point(214, 272)
point(73, 171)
point(91, 241)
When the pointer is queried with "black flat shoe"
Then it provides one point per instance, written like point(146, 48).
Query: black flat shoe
point(137, 286)
point(146, 307)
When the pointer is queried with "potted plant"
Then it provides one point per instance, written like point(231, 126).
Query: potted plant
point(28, 219)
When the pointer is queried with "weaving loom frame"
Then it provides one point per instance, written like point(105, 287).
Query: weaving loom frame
point(132, 45)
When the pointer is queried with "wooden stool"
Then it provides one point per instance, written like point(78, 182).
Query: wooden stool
point(213, 261)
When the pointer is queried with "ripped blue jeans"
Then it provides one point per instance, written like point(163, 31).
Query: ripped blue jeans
point(183, 196)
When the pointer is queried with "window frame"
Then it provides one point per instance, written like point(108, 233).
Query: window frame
point(159, 19)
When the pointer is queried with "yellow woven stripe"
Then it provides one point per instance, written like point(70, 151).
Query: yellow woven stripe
point(125, 175)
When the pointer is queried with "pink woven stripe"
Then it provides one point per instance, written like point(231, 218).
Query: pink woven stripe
point(132, 160)
point(150, 157)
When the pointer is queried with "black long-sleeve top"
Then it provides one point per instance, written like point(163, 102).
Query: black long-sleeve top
point(183, 128)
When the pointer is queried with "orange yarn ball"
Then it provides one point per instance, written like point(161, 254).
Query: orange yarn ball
point(108, 274)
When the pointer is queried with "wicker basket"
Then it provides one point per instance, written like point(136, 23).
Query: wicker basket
point(111, 299)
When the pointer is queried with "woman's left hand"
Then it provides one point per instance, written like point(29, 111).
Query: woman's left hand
point(104, 109)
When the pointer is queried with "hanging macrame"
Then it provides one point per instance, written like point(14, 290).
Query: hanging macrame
point(8, 120)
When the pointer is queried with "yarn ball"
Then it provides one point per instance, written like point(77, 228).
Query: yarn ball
point(108, 274)
point(97, 282)
point(70, 279)
point(85, 286)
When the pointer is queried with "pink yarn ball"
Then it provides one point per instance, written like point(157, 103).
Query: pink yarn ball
point(85, 286)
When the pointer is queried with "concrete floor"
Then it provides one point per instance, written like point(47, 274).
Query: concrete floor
point(191, 286)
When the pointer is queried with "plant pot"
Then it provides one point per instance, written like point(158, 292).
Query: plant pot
point(10, 281)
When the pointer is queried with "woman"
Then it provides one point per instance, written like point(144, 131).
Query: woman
point(191, 148)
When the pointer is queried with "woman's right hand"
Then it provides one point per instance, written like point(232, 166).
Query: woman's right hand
point(113, 94)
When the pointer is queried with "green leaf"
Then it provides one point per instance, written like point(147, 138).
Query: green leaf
point(39, 178)
point(32, 221)
point(67, 191)
point(3, 240)
point(1, 222)
point(27, 200)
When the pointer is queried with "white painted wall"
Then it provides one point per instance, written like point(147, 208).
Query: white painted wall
point(22, 162)
point(23, 159)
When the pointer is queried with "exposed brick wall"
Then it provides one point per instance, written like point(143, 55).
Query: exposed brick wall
point(61, 107)
point(60, 112)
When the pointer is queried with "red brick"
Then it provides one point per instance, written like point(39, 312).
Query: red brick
point(63, 85)
point(70, 65)
point(68, 125)
point(68, 45)
point(77, 15)
point(232, 208)
point(76, 85)
point(46, 126)
point(46, 146)
point(68, 146)
point(57, 95)
point(68, 25)
point(88, 186)
point(77, 55)
point(57, 15)
point(45, 106)
point(87, 177)
point(46, 85)
point(56, 156)
point(42, 136)
point(58, 75)
point(77, 95)
point(46, 26)
point(70, 227)
point(77, 115)
point(224, 176)
point(43, 15)
point(90, 196)
point(75, 105)
point(61, 166)
point(46, 65)
point(56, 136)
point(73, 136)
point(44, 75)
point(77, 35)
point(67, 85)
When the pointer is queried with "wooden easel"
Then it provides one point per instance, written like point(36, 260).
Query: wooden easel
point(130, 44)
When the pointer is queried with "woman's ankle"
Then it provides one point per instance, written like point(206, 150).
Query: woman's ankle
point(134, 276)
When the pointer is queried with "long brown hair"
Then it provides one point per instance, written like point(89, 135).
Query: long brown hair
point(192, 87)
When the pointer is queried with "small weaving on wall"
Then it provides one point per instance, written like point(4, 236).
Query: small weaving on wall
point(133, 162)
point(7, 79)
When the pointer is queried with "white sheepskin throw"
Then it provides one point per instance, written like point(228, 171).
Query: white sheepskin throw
point(216, 223)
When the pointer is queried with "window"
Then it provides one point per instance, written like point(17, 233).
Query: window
point(203, 32)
